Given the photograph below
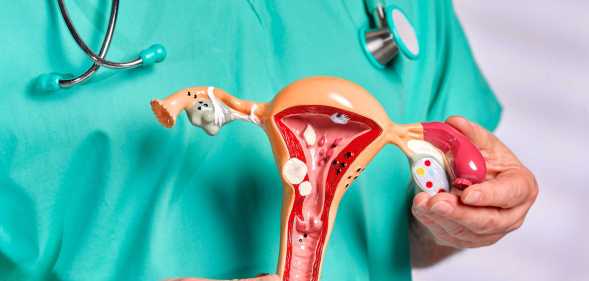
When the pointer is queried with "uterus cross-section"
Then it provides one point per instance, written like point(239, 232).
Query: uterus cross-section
point(323, 132)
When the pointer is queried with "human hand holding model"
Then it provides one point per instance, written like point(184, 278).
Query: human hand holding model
point(483, 213)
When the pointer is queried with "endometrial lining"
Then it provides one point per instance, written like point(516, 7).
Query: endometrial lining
point(321, 141)
point(327, 140)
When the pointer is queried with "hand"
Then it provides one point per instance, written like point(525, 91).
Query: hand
point(483, 213)
point(261, 277)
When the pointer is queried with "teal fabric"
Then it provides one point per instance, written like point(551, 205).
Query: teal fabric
point(93, 188)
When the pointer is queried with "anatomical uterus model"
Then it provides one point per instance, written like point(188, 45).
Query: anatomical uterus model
point(324, 131)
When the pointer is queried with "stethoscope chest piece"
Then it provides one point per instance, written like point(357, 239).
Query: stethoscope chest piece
point(393, 34)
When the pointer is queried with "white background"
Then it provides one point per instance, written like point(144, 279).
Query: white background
point(535, 54)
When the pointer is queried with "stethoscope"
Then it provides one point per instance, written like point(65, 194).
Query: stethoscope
point(390, 33)
point(55, 81)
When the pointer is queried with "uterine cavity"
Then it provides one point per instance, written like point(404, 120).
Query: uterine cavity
point(321, 141)
point(327, 141)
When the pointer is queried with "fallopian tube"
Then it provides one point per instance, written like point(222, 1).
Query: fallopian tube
point(324, 131)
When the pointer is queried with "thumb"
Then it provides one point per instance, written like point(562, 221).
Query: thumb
point(478, 135)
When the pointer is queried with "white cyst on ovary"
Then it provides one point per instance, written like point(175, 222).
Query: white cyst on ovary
point(294, 171)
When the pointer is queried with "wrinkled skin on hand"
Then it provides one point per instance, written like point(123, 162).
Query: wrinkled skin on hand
point(483, 213)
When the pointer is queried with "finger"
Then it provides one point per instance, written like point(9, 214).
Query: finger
point(509, 189)
point(419, 208)
point(420, 199)
point(479, 220)
point(477, 134)
point(463, 237)
point(440, 236)
point(422, 211)
point(445, 211)
point(447, 233)
point(440, 209)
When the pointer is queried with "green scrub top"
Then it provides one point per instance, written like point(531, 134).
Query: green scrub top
point(93, 188)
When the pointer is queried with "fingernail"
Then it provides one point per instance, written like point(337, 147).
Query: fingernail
point(472, 197)
point(442, 208)
point(419, 210)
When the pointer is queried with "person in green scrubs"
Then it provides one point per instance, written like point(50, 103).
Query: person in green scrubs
point(91, 186)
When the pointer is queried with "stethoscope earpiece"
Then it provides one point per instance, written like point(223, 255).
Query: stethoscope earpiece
point(48, 82)
point(154, 54)
point(393, 34)
point(53, 81)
